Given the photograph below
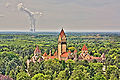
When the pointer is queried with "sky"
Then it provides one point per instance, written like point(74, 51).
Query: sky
point(72, 15)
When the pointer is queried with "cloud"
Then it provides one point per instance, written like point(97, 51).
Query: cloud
point(2, 15)
point(7, 4)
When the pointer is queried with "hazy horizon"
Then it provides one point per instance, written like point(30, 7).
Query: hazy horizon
point(60, 30)
point(72, 15)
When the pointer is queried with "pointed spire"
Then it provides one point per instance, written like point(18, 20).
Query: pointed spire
point(45, 54)
point(37, 50)
point(69, 51)
point(62, 33)
point(84, 48)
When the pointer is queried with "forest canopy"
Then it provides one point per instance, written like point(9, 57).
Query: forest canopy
point(16, 48)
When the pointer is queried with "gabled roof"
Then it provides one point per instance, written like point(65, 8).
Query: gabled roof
point(84, 48)
point(69, 51)
point(52, 57)
point(95, 57)
point(65, 54)
point(45, 54)
point(62, 33)
point(75, 51)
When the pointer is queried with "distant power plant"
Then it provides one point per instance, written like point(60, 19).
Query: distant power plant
point(31, 15)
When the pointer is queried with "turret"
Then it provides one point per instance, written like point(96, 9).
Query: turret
point(84, 49)
point(45, 56)
point(37, 51)
point(103, 57)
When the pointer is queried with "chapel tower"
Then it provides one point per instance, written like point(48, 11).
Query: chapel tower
point(84, 50)
point(62, 43)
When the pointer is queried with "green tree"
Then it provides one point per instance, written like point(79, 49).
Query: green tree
point(70, 65)
point(112, 69)
point(99, 76)
point(54, 75)
point(12, 74)
point(80, 73)
point(51, 65)
point(23, 76)
point(113, 77)
point(97, 54)
point(35, 68)
point(64, 75)
point(41, 76)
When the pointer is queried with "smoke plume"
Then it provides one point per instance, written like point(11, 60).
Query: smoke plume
point(31, 15)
